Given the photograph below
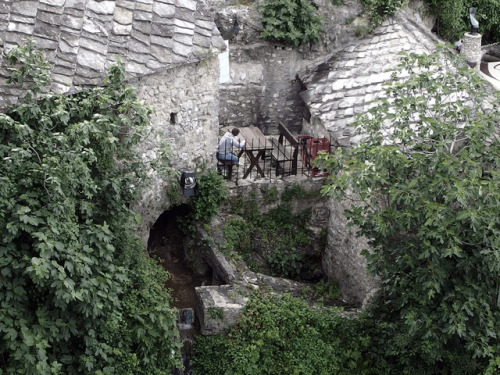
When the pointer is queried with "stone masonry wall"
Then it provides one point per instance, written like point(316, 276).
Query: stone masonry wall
point(263, 90)
point(343, 261)
point(186, 102)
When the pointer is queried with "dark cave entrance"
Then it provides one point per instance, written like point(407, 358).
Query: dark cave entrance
point(166, 242)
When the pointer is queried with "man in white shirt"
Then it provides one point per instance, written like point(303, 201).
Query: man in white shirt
point(226, 143)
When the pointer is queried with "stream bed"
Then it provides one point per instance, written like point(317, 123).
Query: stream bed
point(166, 244)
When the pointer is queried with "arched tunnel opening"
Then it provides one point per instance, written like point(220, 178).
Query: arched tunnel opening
point(166, 243)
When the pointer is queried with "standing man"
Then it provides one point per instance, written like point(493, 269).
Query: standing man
point(226, 143)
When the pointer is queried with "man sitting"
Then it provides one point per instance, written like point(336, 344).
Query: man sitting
point(226, 143)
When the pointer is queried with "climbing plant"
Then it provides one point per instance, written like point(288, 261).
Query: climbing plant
point(424, 191)
point(77, 293)
point(292, 22)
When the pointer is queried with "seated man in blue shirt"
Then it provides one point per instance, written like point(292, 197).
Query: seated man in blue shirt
point(226, 143)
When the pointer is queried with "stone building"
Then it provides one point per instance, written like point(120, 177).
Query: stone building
point(263, 88)
point(337, 89)
point(169, 49)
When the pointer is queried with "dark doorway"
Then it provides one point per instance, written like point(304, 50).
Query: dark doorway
point(166, 242)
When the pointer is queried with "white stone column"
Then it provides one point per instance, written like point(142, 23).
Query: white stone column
point(471, 48)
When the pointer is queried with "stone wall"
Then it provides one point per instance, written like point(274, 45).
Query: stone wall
point(343, 261)
point(263, 88)
point(186, 102)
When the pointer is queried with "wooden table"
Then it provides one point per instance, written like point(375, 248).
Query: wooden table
point(255, 147)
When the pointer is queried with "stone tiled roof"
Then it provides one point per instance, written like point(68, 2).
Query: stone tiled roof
point(80, 38)
point(346, 83)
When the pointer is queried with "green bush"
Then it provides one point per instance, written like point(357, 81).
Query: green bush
point(77, 293)
point(280, 236)
point(291, 22)
point(453, 18)
point(210, 194)
point(279, 334)
point(379, 10)
point(429, 204)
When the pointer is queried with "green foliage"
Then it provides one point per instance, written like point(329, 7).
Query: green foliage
point(238, 238)
point(279, 334)
point(271, 195)
point(77, 294)
point(279, 235)
point(424, 186)
point(292, 192)
point(453, 18)
point(216, 313)
point(297, 192)
point(33, 70)
point(379, 10)
point(246, 208)
point(329, 291)
point(210, 194)
point(285, 260)
point(292, 22)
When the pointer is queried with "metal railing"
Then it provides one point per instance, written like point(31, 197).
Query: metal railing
point(278, 163)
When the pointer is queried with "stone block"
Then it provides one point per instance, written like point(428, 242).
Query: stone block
point(123, 16)
point(19, 18)
point(77, 4)
point(101, 7)
point(188, 4)
point(72, 21)
point(46, 30)
point(94, 27)
point(120, 29)
point(163, 10)
point(142, 16)
point(21, 28)
point(25, 8)
point(142, 27)
point(219, 307)
point(55, 3)
point(91, 59)
point(182, 46)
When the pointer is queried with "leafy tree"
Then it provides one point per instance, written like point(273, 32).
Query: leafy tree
point(453, 18)
point(292, 22)
point(77, 293)
point(424, 186)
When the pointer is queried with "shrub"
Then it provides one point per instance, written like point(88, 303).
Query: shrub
point(279, 334)
point(291, 22)
point(210, 194)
